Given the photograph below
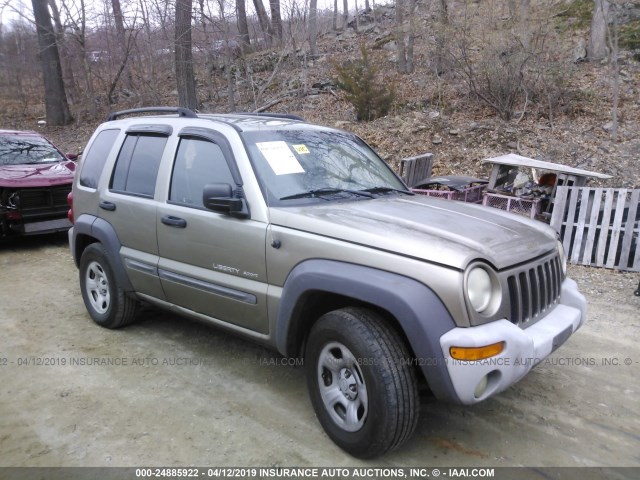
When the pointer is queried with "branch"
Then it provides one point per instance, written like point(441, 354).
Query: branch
point(301, 92)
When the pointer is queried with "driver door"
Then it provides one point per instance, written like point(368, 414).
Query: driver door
point(210, 263)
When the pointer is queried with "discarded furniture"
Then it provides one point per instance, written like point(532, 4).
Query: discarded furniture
point(510, 203)
point(452, 187)
point(533, 182)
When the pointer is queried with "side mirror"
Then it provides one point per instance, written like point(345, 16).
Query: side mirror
point(72, 156)
point(218, 197)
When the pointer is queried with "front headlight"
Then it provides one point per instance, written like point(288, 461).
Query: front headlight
point(481, 289)
point(563, 258)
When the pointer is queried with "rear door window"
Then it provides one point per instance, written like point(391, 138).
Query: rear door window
point(137, 165)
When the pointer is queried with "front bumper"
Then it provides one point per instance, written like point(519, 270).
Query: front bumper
point(524, 348)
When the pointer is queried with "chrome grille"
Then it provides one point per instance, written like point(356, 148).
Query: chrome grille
point(534, 290)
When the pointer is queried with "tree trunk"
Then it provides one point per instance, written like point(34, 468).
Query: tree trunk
point(400, 47)
point(185, 80)
point(122, 44)
point(345, 14)
point(356, 23)
point(335, 15)
point(65, 58)
point(614, 49)
point(525, 11)
point(55, 97)
point(265, 26)
point(150, 80)
point(598, 38)
point(313, 28)
point(276, 19)
point(440, 35)
point(243, 27)
point(412, 36)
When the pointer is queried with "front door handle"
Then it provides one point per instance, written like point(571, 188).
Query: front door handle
point(107, 205)
point(174, 221)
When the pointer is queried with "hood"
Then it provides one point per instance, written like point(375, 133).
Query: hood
point(37, 175)
point(440, 231)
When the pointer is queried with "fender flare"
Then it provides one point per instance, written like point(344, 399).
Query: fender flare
point(418, 310)
point(104, 233)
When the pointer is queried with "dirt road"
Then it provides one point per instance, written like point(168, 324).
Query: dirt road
point(171, 392)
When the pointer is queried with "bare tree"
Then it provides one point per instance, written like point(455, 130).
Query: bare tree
point(185, 79)
point(243, 27)
point(76, 14)
point(313, 27)
point(412, 36)
point(356, 23)
point(345, 14)
point(122, 44)
point(614, 48)
point(263, 19)
point(400, 45)
point(276, 19)
point(151, 83)
point(228, 55)
point(57, 108)
point(65, 54)
point(525, 19)
point(335, 15)
point(598, 37)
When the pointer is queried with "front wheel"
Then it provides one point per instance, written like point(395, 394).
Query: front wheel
point(107, 304)
point(362, 386)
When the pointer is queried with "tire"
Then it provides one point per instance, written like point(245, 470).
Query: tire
point(363, 389)
point(107, 304)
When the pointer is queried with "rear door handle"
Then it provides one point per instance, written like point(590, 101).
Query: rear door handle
point(174, 221)
point(107, 205)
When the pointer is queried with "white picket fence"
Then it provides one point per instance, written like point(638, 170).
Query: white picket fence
point(599, 226)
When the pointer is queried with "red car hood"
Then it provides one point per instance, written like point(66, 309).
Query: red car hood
point(44, 175)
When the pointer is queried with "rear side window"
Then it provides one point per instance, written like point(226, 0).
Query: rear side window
point(93, 161)
point(137, 165)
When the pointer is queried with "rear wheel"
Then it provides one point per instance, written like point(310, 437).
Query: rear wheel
point(107, 304)
point(362, 386)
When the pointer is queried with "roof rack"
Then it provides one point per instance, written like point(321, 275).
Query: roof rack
point(288, 116)
point(182, 112)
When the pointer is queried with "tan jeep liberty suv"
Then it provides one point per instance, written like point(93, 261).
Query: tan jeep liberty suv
point(302, 238)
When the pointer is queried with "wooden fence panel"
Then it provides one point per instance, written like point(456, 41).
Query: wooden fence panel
point(415, 169)
point(598, 226)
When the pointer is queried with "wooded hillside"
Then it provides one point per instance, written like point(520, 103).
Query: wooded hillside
point(556, 80)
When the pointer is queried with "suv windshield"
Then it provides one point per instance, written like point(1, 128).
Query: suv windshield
point(23, 149)
point(313, 166)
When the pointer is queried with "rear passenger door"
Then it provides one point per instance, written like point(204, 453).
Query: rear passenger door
point(210, 263)
point(128, 204)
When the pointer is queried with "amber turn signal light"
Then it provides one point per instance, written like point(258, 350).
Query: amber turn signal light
point(471, 354)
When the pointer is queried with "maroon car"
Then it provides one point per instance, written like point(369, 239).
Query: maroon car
point(35, 179)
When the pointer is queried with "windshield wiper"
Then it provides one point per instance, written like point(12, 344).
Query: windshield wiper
point(326, 191)
point(387, 190)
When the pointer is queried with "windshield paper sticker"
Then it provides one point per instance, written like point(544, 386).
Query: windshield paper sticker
point(281, 159)
point(301, 149)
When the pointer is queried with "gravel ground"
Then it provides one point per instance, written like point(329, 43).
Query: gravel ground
point(170, 392)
